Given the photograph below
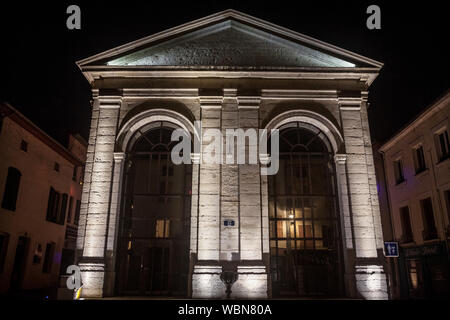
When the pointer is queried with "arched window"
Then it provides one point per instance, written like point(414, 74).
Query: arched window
point(304, 229)
point(11, 189)
point(155, 221)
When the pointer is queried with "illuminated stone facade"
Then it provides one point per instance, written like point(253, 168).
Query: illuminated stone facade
point(230, 70)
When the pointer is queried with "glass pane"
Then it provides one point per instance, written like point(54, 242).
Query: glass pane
point(280, 178)
point(321, 208)
point(309, 244)
point(159, 229)
point(141, 177)
point(282, 244)
point(272, 207)
point(308, 229)
point(307, 208)
point(273, 243)
point(299, 229)
point(272, 231)
point(281, 229)
point(298, 210)
point(319, 245)
point(282, 207)
point(291, 229)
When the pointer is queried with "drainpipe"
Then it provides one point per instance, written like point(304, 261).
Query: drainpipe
point(393, 265)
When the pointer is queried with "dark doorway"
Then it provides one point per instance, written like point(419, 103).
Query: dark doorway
point(155, 222)
point(304, 228)
point(19, 264)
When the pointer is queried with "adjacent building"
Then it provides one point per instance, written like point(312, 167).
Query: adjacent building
point(151, 227)
point(414, 183)
point(40, 190)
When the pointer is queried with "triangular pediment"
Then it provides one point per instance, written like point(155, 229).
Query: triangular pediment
point(230, 39)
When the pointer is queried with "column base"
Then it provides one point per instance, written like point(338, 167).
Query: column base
point(92, 279)
point(371, 282)
point(206, 283)
point(251, 284)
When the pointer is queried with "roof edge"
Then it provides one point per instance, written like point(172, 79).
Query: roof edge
point(406, 128)
point(230, 13)
point(28, 125)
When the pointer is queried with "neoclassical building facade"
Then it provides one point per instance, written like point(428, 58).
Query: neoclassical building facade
point(151, 227)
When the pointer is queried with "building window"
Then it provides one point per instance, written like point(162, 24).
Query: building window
point(447, 202)
point(407, 235)
point(162, 228)
point(77, 212)
point(415, 274)
point(11, 189)
point(56, 208)
point(82, 175)
point(303, 216)
point(37, 257)
point(69, 211)
point(398, 171)
point(74, 174)
point(24, 145)
point(429, 225)
point(56, 167)
point(4, 239)
point(62, 213)
point(442, 145)
point(419, 160)
point(48, 259)
point(52, 207)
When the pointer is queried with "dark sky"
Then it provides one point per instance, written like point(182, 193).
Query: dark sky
point(40, 78)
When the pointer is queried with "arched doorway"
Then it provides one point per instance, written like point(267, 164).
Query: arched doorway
point(153, 246)
point(303, 216)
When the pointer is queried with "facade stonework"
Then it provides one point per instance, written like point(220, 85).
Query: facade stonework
point(131, 93)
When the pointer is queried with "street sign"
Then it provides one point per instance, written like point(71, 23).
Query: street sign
point(228, 223)
point(391, 249)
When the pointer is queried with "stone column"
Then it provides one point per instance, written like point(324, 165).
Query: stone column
point(113, 224)
point(345, 224)
point(92, 263)
point(206, 281)
point(369, 273)
point(229, 235)
point(87, 175)
point(252, 274)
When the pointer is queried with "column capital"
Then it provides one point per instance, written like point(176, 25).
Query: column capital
point(352, 103)
point(110, 102)
point(119, 156)
point(264, 158)
point(196, 158)
point(211, 102)
point(248, 102)
point(340, 158)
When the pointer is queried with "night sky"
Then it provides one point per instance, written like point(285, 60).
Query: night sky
point(40, 77)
